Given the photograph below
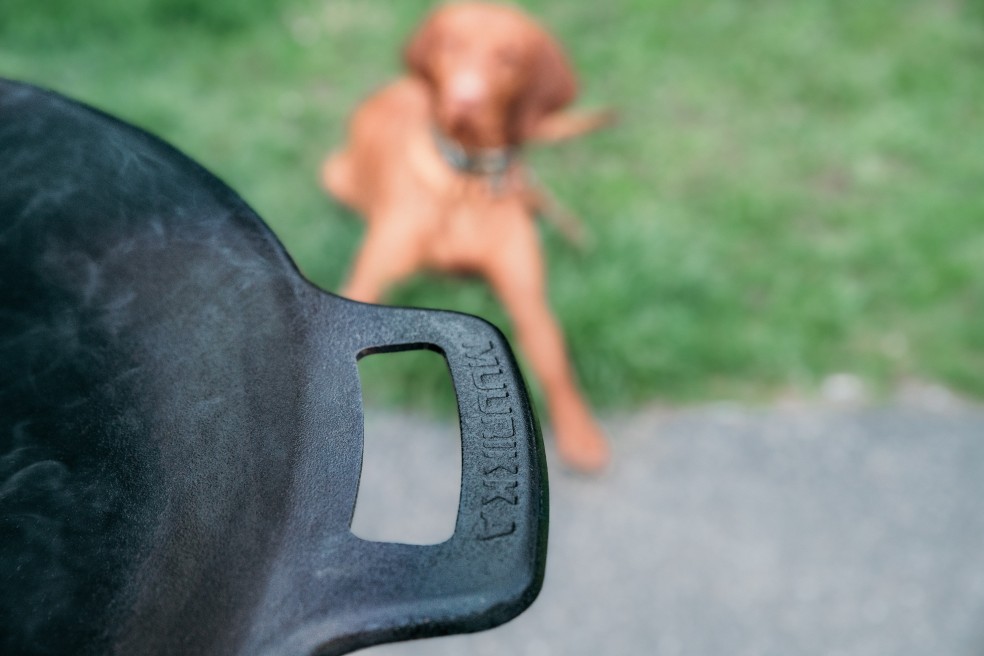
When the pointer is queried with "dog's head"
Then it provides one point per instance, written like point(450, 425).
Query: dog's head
point(494, 74)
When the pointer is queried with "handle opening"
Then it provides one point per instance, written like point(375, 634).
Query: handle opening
point(410, 484)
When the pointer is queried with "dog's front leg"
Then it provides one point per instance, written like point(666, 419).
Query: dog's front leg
point(389, 253)
point(515, 270)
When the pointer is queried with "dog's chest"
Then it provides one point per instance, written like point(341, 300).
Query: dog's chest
point(467, 230)
point(465, 218)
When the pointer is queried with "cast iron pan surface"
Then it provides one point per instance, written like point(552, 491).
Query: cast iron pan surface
point(181, 422)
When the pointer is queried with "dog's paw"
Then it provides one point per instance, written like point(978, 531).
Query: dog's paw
point(584, 448)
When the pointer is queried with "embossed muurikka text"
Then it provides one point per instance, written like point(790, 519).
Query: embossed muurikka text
point(500, 458)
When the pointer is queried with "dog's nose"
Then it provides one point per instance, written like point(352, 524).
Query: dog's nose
point(466, 89)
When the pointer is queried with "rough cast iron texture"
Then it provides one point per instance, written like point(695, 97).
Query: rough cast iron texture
point(181, 422)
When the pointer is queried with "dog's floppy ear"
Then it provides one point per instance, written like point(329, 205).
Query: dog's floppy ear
point(551, 86)
point(418, 53)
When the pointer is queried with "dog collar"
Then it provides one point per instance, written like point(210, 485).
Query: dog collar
point(491, 162)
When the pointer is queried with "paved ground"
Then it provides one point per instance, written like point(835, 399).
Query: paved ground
point(726, 531)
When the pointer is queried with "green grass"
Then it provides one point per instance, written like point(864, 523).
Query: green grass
point(796, 187)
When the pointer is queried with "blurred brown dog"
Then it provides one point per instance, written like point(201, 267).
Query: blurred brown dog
point(432, 163)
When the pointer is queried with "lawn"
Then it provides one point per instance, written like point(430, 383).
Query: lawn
point(795, 188)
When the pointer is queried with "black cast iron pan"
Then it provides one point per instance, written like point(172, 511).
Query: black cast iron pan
point(181, 423)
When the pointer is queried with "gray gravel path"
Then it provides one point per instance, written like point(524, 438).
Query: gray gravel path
point(729, 531)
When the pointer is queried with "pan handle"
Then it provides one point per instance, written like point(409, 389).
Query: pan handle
point(492, 567)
